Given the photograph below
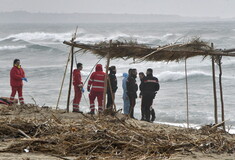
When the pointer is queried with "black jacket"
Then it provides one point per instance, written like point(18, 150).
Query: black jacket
point(149, 85)
point(132, 87)
point(113, 81)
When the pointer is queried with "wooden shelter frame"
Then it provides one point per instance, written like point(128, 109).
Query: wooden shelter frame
point(171, 52)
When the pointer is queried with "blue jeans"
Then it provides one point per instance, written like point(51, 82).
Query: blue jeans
point(126, 102)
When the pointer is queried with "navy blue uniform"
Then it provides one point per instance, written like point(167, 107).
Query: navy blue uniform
point(149, 87)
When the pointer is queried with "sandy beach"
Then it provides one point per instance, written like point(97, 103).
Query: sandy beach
point(32, 132)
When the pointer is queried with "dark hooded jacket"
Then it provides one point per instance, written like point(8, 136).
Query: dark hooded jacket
point(113, 82)
point(131, 86)
point(149, 85)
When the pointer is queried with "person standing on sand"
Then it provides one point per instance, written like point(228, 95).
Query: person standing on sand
point(112, 83)
point(141, 76)
point(132, 88)
point(78, 88)
point(149, 87)
point(125, 97)
point(152, 112)
point(17, 75)
point(96, 88)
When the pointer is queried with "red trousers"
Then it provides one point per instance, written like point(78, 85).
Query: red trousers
point(92, 97)
point(20, 94)
point(77, 98)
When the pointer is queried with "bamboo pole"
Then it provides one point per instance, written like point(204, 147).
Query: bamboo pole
point(106, 75)
point(62, 84)
point(214, 87)
point(186, 80)
point(112, 94)
point(221, 91)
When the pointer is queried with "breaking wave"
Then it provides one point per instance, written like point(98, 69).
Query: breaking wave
point(83, 37)
point(12, 47)
point(174, 76)
point(38, 36)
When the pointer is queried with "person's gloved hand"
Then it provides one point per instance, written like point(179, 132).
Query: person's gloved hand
point(88, 89)
point(83, 90)
point(25, 79)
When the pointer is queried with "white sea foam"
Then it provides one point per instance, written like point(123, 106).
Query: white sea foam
point(40, 36)
point(84, 37)
point(167, 75)
point(12, 47)
point(173, 76)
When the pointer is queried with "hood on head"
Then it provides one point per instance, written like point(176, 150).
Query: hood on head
point(98, 67)
point(125, 75)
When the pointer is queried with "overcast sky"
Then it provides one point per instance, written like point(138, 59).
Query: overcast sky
point(197, 8)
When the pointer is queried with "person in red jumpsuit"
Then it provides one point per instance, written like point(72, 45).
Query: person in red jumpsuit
point(78, 87)
point(96, 88)
point(17, 75)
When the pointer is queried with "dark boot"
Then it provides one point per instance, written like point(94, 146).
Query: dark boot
point(153, 115)
point(77, 111)
point(91, 112)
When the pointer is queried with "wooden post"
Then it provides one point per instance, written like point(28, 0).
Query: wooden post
point(106, 75)
point(186, 84)
point(186, 79)
point(70, 80)
point(71, 69)
point(214, 87)
point(221, 90)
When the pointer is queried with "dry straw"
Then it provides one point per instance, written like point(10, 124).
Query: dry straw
point(141, 52)
point(112, 137)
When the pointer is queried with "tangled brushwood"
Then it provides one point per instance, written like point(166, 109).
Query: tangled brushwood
point(107, 136)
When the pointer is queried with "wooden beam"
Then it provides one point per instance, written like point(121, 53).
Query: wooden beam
point(229, 50)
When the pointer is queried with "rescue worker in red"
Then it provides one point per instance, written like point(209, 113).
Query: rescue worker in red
point(149, 87)
point(78, 88)
point(96, 88)
point(17, 75)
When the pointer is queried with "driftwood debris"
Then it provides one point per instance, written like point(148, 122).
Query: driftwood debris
point(111, 136)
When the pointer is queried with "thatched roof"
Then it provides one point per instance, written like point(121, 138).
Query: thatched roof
point(172, 52)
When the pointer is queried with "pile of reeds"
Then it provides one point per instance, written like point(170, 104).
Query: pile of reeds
point(111, 137)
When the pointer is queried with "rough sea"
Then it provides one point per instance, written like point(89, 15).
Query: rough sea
point(43, 57)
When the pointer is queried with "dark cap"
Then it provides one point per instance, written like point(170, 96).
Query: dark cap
point(150, 70)
point(15, 60)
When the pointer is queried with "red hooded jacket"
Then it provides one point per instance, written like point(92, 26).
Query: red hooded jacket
point(77, 79)
point(16, 76)
point(97, 79)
